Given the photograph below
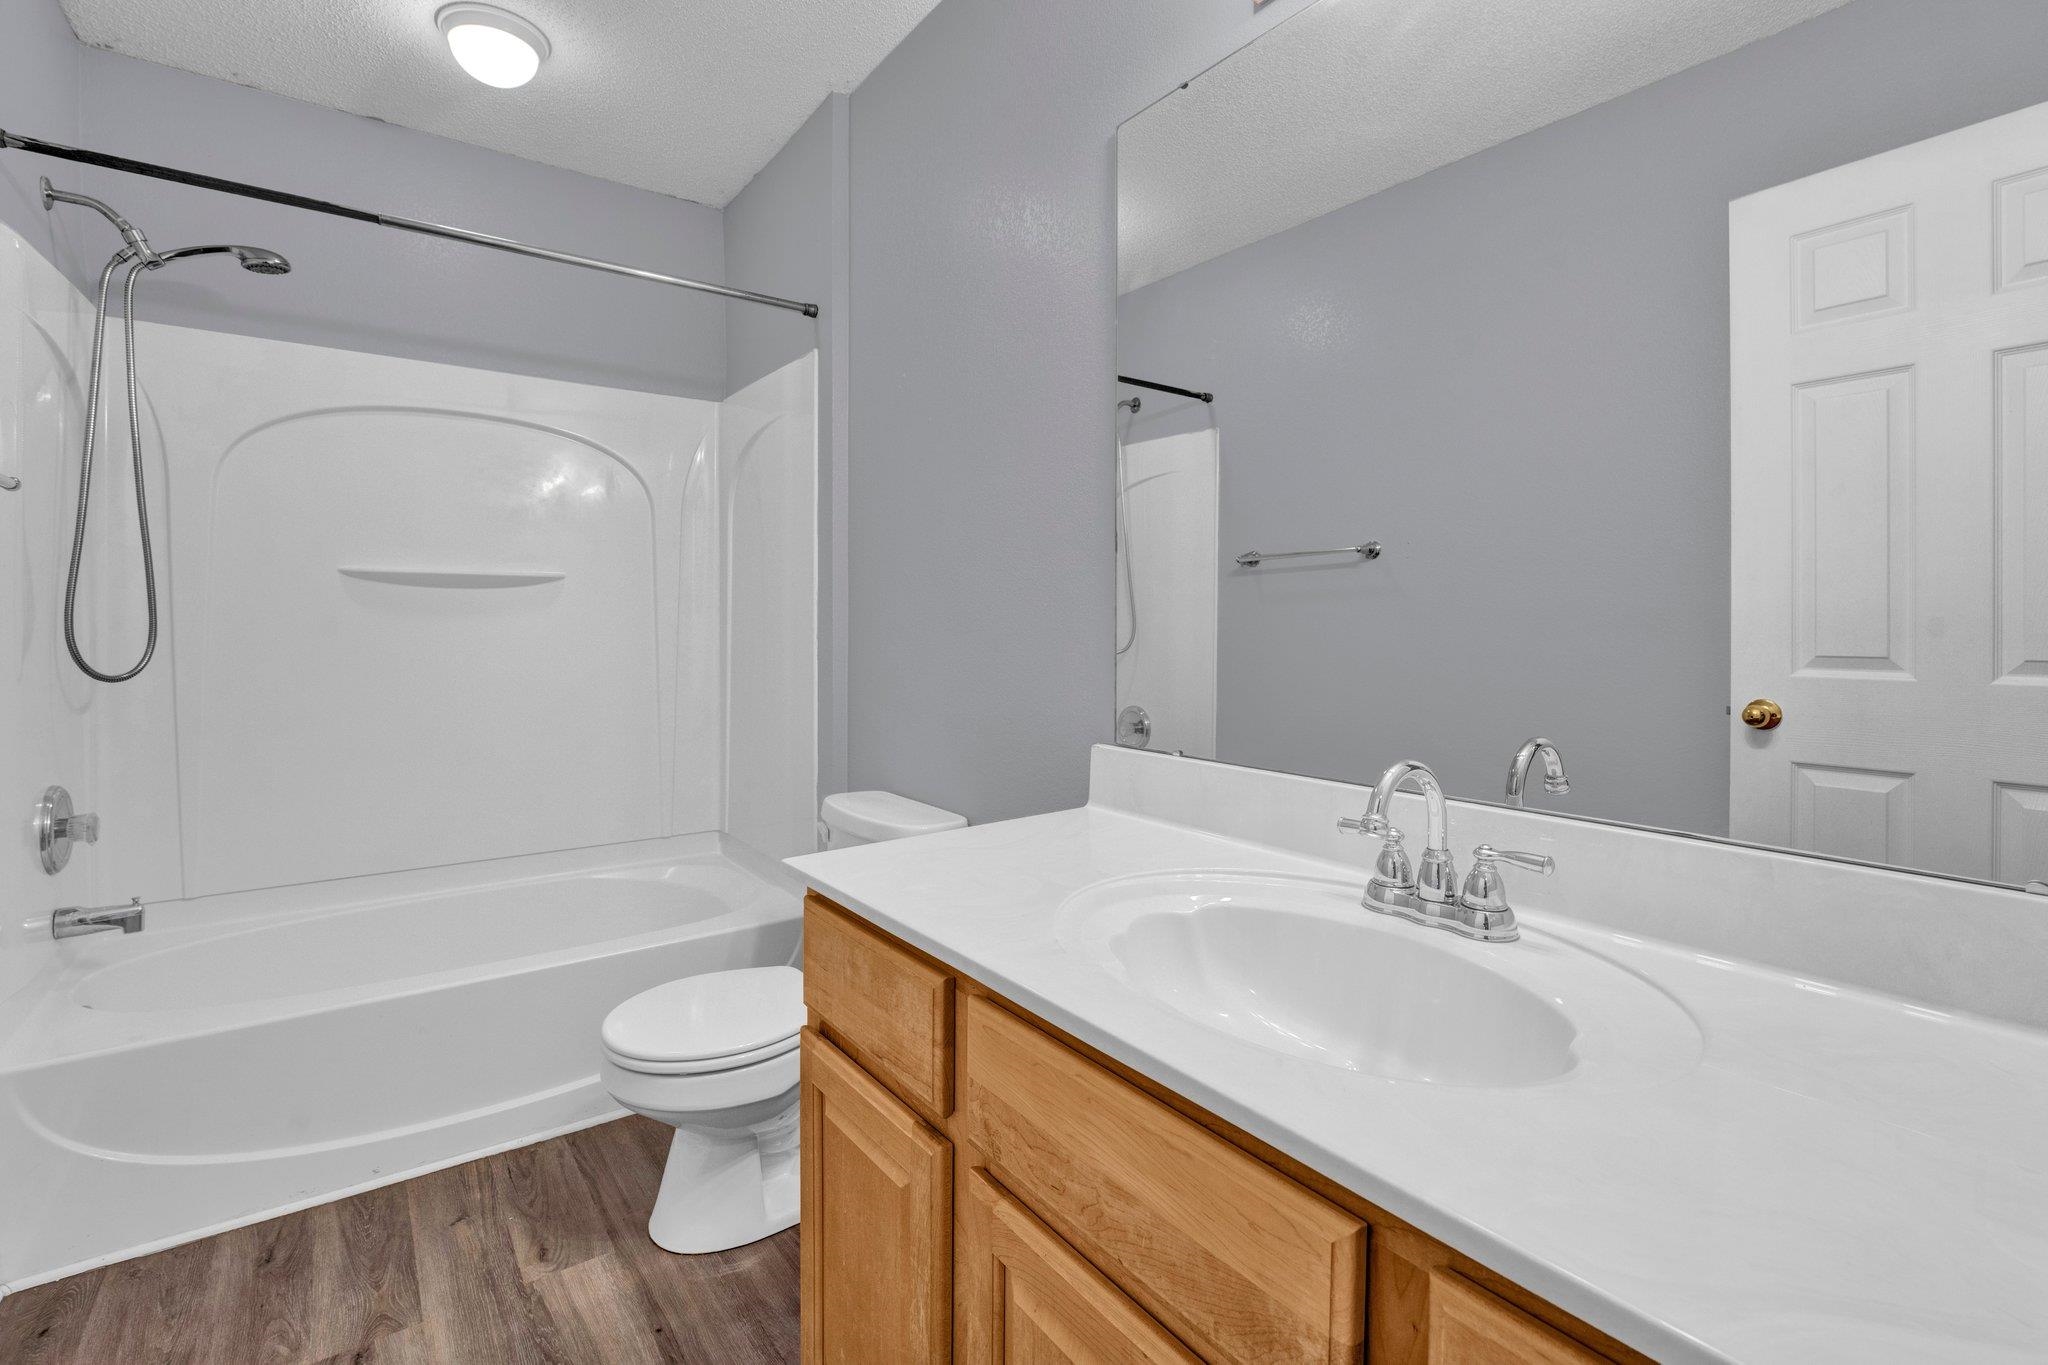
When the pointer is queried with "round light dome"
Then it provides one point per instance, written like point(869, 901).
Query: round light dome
point(497, 47)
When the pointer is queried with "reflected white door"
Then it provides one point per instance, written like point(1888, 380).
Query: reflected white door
point(1890, 505)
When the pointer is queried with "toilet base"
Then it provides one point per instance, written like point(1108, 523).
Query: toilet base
point(724, 1190)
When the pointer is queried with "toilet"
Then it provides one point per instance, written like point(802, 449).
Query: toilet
point(715, 1057)
point(852, 818)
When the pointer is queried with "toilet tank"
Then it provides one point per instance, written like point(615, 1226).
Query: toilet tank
point(851, 818)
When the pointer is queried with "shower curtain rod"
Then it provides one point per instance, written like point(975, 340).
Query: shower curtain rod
point(18, 142)
point(1165, 388)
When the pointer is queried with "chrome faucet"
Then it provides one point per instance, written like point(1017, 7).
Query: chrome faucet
point(74, 920)
point(1431, 895)
point(1554, 780)
point(1397, 888)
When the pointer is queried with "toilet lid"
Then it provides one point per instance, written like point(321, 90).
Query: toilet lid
point(718, 1014)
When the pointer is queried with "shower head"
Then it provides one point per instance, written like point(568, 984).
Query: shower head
point(253, 259)
point(257, 261)
point(1134, 404)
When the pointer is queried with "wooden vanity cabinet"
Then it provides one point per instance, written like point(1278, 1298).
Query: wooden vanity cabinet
point(978, 1185)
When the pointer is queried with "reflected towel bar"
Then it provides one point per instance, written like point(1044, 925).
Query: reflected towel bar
point(1251, 559)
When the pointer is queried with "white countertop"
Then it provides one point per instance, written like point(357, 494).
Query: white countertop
point(1838, 1176)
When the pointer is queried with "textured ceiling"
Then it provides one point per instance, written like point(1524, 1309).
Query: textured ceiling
point(688, 97)
point(1353, 96)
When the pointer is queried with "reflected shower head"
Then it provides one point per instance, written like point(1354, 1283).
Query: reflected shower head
point(253, 259)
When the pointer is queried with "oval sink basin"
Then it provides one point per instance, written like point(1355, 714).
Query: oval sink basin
point(1298, 966)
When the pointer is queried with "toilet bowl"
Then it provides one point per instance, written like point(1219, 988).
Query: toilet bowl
point(715, 1058)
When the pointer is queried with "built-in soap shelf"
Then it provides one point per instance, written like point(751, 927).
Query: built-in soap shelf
point(456, 578)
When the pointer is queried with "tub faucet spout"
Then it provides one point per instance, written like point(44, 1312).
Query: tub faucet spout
point(74, 920)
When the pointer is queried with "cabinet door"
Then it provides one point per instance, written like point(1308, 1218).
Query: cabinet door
point(877, 1221)
point(1468, 1326)
point(1029, 1299)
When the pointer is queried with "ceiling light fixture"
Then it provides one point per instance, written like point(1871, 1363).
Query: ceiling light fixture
point(496, 46)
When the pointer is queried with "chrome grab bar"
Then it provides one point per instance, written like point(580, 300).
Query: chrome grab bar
point(1251, 559)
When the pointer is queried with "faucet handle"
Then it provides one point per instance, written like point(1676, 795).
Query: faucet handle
point(1540, 863)
point(1483, 909)
point(80, 829)
point(1485, 892)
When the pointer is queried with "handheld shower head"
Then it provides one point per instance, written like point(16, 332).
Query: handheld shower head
point(254, 259)
point(137, 256)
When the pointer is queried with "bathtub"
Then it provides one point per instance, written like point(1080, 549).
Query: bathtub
point(244, 1058)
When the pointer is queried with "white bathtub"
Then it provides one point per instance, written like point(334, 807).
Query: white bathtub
point(236, 1061)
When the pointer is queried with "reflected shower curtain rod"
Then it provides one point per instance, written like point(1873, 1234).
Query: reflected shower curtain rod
point(1165, 388)
point(17, 142)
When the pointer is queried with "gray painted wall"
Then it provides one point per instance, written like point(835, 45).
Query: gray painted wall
point(779, 239)
point(984, 296)
point(353, 285)
point(1514, 371)
point(786, 233)
point(38, 91)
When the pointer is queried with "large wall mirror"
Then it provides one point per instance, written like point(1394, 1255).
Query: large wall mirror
point(1665, 378)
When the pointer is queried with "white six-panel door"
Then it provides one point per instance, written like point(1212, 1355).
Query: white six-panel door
point(1890, 505)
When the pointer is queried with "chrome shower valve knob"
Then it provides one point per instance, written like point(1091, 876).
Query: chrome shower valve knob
point(58, 827)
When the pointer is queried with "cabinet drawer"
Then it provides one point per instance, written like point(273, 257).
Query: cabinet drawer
point(1033, 1299)
point(891, 1010)
point(1232, 1257)
point(1468, 1326)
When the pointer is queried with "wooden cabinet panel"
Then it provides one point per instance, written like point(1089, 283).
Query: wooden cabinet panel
point(1034, 1301)
point(891, 1010)
point(877, 1221)
point(1468, 1326)
point(1236, 1260)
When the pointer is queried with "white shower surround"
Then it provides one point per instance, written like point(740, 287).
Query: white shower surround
point(768, 475)
point(507, 871)
point(309, 725)
point(1170, 668)
point(43, 324)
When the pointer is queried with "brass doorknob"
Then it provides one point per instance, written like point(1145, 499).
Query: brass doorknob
point(1763, 714)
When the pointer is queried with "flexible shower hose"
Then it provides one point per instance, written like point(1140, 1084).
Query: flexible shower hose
point(92, 419)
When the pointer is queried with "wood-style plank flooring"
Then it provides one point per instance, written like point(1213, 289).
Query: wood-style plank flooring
point(537, 1255)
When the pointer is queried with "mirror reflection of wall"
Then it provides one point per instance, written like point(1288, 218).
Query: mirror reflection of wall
point(1488, 324)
